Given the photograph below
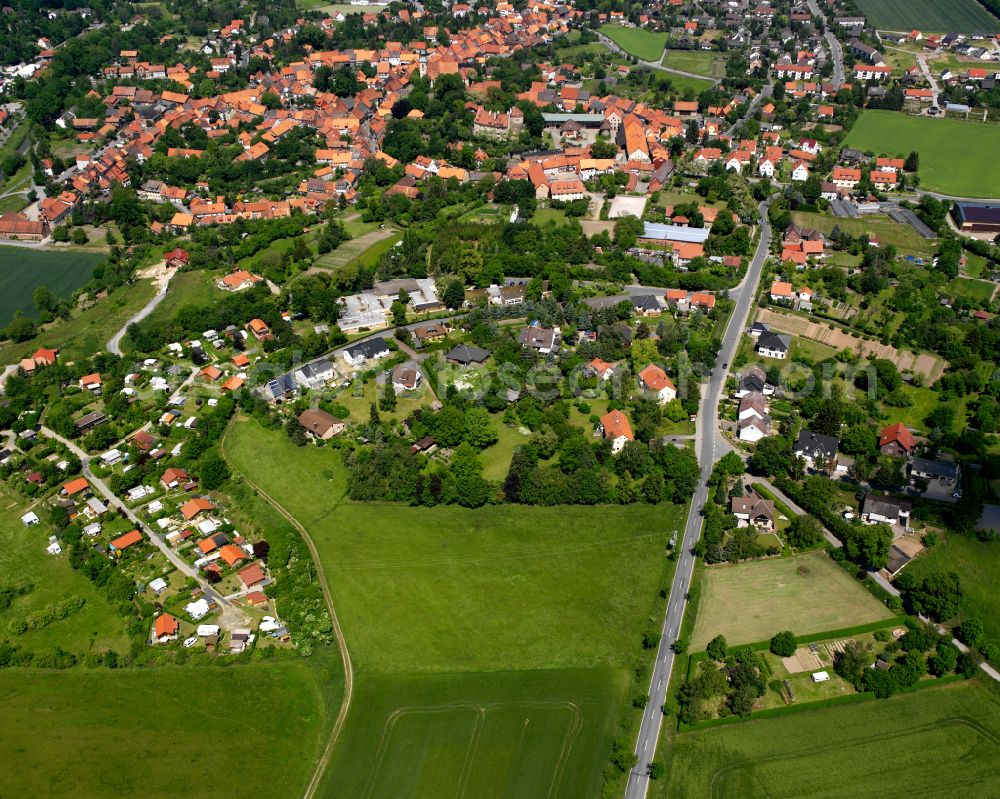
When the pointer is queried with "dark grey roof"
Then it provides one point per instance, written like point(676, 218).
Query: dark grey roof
point(773, 341)
point(816, 444)
point(463, 353)
point(886, 506)
point(940, 469)
point(368, 349)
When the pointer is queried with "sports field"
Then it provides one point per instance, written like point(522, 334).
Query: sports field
point(643, 44)
point(490, 645)
point(958, 16)
point(193, 731)
point(22, 270)
point(947, 147)
point(940, 741)
point(808, 593)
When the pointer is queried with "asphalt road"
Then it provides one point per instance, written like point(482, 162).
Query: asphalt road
point(708, 442)
point(836, 51)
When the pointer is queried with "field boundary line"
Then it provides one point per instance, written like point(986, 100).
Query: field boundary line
point(338, 724)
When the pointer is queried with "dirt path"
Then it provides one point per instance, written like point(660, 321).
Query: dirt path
point(345, 656)
point(930, 366)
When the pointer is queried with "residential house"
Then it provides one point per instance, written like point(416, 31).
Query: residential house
point(373, 349)
point(406, 377)
point(616, 428)
point(321, 424)
point(939, 472)
point(540, 339)
point(818, 450)
point(655, 380)
point(165, 629)
point(896, 440)
point(465, 355)
point(773, 345)
point(753, 511)
point(886, 510)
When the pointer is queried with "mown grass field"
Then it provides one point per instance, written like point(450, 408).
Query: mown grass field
point(643, 44)
point(978, 565)
point(22, 270)
point(808, 593)
point(710, 64)
point(960, 16)
point(96, 626)
point(474, 633)
point(903, 237)
point(944, 145)
point(500, 734)
point(198, 731)
point(497, 588)
point(940, 741)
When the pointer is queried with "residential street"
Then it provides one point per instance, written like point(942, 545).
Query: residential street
point(707, 444)
point(113, 501)
point(836, 51)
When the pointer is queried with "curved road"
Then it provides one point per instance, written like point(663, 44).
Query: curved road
point(708, 441)
point(115, 342)
point(654, 64)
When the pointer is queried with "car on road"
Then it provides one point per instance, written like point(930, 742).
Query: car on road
point(725, 365)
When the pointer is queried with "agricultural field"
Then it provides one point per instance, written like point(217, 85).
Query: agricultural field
point(23, 559)
point(944, 146)
point(939, 741)
point(22, 270)
point(513, 734)
point(169, 731)
point(498, 638)
point(806, 594)
point(710, 64)
point(979, 567)
point(643, 44)
point(959, 16)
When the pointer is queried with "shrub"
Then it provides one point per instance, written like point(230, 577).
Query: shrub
point(783, 644)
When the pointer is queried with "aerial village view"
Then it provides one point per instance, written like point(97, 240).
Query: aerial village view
point(552, 398)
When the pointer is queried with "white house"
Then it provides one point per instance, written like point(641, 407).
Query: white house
point(655, 380)
point(766, 168)
point(371, 350)
point(800, 172)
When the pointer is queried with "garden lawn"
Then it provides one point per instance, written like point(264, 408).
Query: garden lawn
point(947, 147)
point(807, 348)
point(22, 270)
point(643, 44)
point(545, 215)
point(939, 741)
point(259, 728)
point(96, 626)
point(971, 289)
point(978, 566)
point(499, 734)
point(960, 16)
point(806, 594)
point(496, 459)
